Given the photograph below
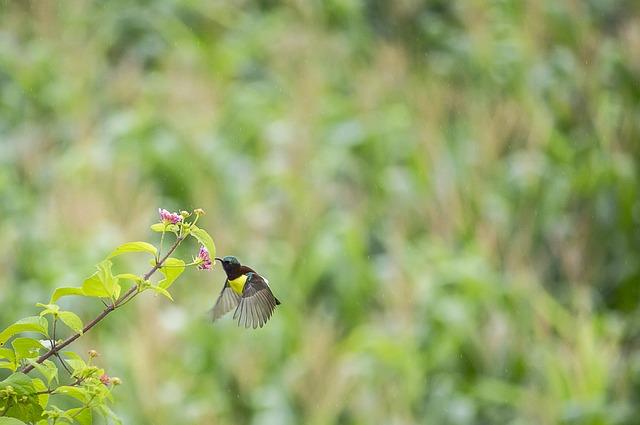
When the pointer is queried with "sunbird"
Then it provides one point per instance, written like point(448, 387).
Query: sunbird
point(247, 292)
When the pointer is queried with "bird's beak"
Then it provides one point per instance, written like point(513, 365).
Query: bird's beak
point(218, 259)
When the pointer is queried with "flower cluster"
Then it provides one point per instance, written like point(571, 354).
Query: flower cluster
point(169, 218)
point(107, 380)
point(204, 260)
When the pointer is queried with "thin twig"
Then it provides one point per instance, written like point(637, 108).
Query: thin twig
point(53, 334)
point(77, 382)
point(64, 364)
point(161, 244)
point(53, 345)
point(124, 302)
point(132, 292)
point(86, 406)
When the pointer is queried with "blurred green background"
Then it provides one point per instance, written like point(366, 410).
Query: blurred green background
point(444, 195)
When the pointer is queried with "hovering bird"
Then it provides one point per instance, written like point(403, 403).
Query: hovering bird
point(247, 292)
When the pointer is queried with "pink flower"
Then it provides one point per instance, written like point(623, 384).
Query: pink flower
point(105, 379)
point(169, 218)
point(204, 259)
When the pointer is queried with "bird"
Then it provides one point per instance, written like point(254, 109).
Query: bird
point(247, 292)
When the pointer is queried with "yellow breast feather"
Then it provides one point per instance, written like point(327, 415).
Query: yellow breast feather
point(237, 284)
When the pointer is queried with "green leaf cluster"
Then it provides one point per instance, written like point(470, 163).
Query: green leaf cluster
point(19, 398)
point(101, 284)
point(27, 400)
point(22, 348)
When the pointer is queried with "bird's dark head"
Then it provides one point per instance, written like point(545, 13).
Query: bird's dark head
point(229, 263)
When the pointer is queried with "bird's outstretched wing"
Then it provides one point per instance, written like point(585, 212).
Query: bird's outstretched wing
point(227, 301)
point(256, 304)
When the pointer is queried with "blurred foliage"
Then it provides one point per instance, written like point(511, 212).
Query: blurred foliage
point(443, 194)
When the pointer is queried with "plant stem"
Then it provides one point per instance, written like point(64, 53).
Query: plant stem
point(53, 345)
point(64, 364)
point(51, 390)
point(86, 406)
point(161, 243)
point(53, 334)
point(132, 292)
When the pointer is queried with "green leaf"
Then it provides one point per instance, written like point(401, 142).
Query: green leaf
point(107, 394)
point(63, 292)
point(28, 324)
point(8, 365)
point(10, 421)
point(203, 237)
point(107, 413)
point(48, 369)
point(48, 309)
point(10, 362)
point(93, 287)
point(6, 353)
point(79, 393)
point(74, 360)
point(82, 415)
point(162, 291)
point(8, 359)
point(28, 410)
point(39, 386)
point(171, 269)
point(134, 247)
point(72, 320)
point(106, 277)
point(20, 382)
point(161, 227)
point(129, 276)
point(26, 348)
point(117, 289)
point(102, 283)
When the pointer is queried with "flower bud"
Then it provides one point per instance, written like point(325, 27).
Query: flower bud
point(93, 354)
point(185, 214)
point(199, 211)
point(105, 379)
point(116, 381)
